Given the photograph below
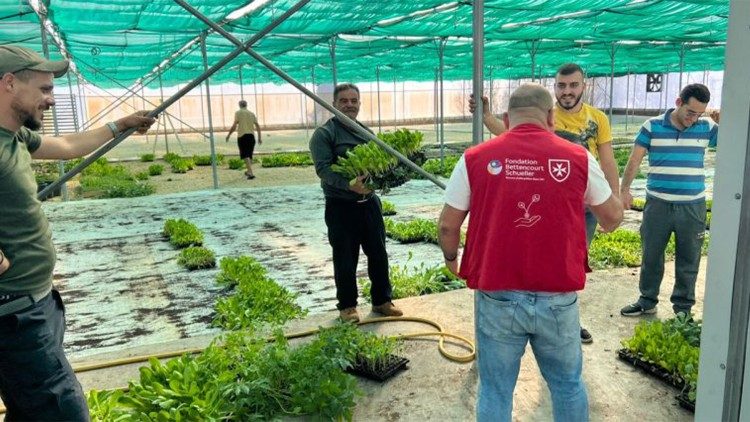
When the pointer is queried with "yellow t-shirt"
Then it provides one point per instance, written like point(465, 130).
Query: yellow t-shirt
point(245, 121)
point(588, 127)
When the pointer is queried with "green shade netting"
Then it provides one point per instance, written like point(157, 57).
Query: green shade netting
point(115, 43)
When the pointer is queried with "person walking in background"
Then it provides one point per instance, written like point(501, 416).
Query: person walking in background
point(676, 142)
point(245, 121)
point(36, 381)
point(579, 123)
point(525, 190)
point(352, 212)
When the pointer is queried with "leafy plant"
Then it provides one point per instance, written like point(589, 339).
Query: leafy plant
point(622, 248)
point(622, 155)
point(103, 180)
point(170, 157)
point(287, 159)
point(416, 230)
point(182, 233)
point(236, 163)
point(257, 298)
point(381, 169)
point(417, 281)
point(155, 169)
point(202, 160)
point(142, 175)
point(147, 157)
point(196, 257)
point(182, 165)
point(387, 208)
point(673, 345)
point(434, 166)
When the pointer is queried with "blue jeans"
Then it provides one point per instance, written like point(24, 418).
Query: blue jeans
point(505, 322)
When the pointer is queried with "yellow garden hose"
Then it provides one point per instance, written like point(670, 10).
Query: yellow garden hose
point(440, 333)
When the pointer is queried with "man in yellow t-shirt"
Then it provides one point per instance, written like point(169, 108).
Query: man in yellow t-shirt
point(579, 123)
point(244, 121)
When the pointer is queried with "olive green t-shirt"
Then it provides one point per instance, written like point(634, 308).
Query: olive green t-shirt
point(246, 121)
point(25, 236)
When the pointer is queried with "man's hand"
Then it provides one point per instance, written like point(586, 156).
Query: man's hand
point(452, 266)
point(5, 264)
point(627, 198)
point(485, 105)
point(136, 120)
point(358, 185)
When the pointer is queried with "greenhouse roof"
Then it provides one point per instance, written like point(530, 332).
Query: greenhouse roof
point(114, 43)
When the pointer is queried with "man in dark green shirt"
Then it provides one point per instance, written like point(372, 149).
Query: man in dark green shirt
point(36, 380)
point(352, 214)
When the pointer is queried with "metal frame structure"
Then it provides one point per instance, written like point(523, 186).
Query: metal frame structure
point(724, 377)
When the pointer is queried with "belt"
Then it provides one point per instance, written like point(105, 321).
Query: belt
point(13, 303)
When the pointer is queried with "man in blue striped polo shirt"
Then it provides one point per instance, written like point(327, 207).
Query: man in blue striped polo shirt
point(676, 142)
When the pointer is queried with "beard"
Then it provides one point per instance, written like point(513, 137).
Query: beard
point(576, 101)
point(27, 119)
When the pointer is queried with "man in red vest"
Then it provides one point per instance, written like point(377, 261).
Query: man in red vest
point(525, 251)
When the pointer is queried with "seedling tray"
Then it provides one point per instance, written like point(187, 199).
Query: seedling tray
point(657, 372)
point(393, 365)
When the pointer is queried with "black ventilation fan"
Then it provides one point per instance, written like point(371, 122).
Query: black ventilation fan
point(653, 82)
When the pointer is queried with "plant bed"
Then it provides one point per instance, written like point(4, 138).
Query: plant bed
point(650, 368)
point(685, 402)
point(378, 371)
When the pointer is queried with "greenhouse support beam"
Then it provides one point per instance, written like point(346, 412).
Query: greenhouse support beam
point(187, 88)
point(332, 50)
point(612, 52)
point(45, 50)
point(242, 88)
point(164, 123)
point(627, 101)
point(477, 128)
point(724, 370)
point(211, 140)
point(682, 62)
point(354, 126)
point(377, 77)
point(441, 104)
point(315, 105)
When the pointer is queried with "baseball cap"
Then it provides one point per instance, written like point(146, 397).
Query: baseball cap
point(15, 58)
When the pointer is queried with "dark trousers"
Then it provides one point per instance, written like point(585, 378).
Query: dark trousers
point(36, 380)
point(351, 225)
point(688, 223)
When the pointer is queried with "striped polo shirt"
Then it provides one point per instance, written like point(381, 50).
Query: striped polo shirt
point(675, 157)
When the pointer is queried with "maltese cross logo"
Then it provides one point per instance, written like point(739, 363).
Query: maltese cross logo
point(559, 169)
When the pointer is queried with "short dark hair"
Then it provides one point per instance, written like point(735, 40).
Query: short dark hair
point(343, 87)
point(569, 69)
point(24, 75)
point(243, 104)
point(698, 91)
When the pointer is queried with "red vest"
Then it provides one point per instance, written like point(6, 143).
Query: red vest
point(526, 224)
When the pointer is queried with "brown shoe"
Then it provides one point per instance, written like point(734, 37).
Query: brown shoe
point(349, 315)
point(387, 309)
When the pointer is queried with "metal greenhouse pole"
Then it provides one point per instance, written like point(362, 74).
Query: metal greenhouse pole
point(627, 100)
point(394, 103)
point(164, 122)
point(315, 105)
point(332, 49)
point(377, 77)
point(349, 122)
point(242, 88)
point(60, 163)
point(436, 107)
point(477, 128)
point(724, 370)
point(682, 63)
point(187, 88)
point(612, 51)
point(441, 105)
point(210, 117)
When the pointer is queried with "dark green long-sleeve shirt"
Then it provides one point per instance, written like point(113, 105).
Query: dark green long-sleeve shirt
point(327, 144)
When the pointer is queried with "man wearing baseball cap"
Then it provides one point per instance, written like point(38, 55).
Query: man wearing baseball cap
point(36, 380)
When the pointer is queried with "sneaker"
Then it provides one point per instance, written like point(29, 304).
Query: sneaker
point(349, 315)
point(250, 177)
point(636, 310)
point(586, 336)
point(387, 309)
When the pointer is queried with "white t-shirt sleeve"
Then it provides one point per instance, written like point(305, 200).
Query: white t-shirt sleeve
point(457, 191)
point(597, 187)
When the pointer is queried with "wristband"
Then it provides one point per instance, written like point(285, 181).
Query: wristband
point(450, 259)
point(113, 127)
